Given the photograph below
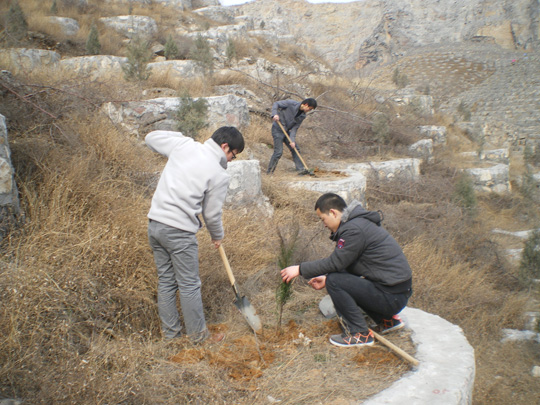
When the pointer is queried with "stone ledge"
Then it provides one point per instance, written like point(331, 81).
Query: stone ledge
point(447, 367)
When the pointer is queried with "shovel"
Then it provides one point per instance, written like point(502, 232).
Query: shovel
point(241, 303)
point(306, 170)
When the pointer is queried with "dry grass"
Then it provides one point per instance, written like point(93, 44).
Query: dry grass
point(78, 321)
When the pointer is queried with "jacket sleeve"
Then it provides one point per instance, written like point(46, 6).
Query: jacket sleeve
point(281, 104)
point(349, 248)
point(164, 142)
point(212, 208)
point(294, 128)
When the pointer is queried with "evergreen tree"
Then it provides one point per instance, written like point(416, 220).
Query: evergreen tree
point(202, 55)
point(171, 49)
point(93, 46)
point(191, 115)
point(16, 25)
point(54, 8)
point(136, 67)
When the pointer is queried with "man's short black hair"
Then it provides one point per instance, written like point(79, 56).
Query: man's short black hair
point(329, 201)
point(231, 136)
point(311, 102)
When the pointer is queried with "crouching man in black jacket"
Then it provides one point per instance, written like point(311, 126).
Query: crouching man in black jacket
point(366, 273)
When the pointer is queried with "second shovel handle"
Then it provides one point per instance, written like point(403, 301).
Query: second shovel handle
point(227, 266)
point(289, 139)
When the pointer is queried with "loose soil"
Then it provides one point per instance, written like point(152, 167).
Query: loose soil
point(279, 363)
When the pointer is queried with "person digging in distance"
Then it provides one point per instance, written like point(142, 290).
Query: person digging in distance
point(291, 114)
point(194, 182)
point(366, 273)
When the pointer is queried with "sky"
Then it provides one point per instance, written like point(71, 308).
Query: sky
point(236, 2)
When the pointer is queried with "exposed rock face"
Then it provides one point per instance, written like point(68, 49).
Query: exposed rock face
point(132, 26)
point(22, 60)
point(9, 197)
point(98, 67)
point(69, 26)
point(353, 35)
point(141, 117)
point(495, 178)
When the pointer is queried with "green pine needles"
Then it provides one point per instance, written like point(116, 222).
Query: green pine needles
point(138, 54)
point(192, 115)
point(16, 24)
point(529, 267)
point(287, 248)
point(93, 46)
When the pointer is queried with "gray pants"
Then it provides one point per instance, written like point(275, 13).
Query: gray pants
point(176, 254)
point(279, 140)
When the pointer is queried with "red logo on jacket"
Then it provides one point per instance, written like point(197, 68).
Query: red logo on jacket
point(340, 243)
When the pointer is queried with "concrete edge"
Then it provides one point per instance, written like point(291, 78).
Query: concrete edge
point(446, 371)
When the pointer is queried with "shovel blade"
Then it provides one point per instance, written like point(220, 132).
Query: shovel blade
point(249, 313)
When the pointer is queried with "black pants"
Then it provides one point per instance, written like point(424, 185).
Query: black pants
point(279, 140)
point(353, 295)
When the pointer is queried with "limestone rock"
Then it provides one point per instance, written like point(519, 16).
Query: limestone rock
point(97, 67)
point(132, 26)
point(9, 196)
point(434, 132)
point(220, 14)
point(422, 149)
point(22, 60)
point(69, 26)
point(349, 188)
point(494, 178)
point(141, 117)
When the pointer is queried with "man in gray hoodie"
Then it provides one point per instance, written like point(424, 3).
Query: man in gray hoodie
point(291, 114)
point(366, 273)
point(194, 182)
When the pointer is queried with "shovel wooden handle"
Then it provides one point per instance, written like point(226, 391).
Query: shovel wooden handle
point(396, 349)
point(296, 150)
point(227, 267)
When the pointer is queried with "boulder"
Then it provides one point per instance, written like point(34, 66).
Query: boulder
point(245, 186)
point(175, 70)
point(349, 188)
point(422, 149)
point(9, 196)
point(434, 132)
point(224, 15)
point(421, 104)
point(69, 26)
point(494, 178)
point(141, 117)
point(132, 26)
point(22, 60)
point(97, 67)
point(406, 169)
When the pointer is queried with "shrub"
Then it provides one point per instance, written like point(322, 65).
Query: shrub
point(171, 49)
point(136, 67)
point(93, 46)
point(54, 7)
point(400, 79)
point(531, 154)
point(230, 52)
point(530, 260)
point(191, 115)
point(16, 25)
point(380, 127)
point(464, 111)
point(202, 55)
point(464, 194)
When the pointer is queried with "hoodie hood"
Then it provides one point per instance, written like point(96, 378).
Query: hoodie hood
point(215, 148)
point(355, 210)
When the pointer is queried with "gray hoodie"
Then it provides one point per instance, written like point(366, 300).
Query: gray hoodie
point(193, 182)
point(365, 249)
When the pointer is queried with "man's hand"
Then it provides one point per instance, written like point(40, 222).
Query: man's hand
point(288, 274)
point(293, 145)
point(318, 283)
point(275, 117)
point(217, 243)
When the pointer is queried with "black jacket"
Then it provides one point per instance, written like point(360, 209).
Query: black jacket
point(365, 249)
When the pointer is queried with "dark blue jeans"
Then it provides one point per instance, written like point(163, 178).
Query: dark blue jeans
point(353, 296)
point(279, 140)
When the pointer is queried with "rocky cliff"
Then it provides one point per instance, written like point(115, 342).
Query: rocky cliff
point(354, 35)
